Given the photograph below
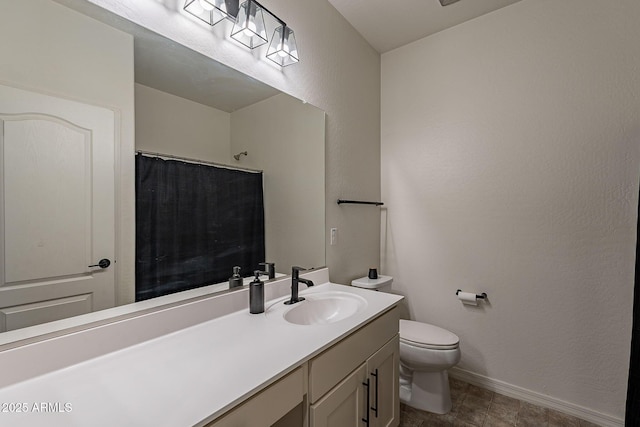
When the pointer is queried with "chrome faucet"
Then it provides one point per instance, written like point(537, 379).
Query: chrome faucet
point(295, 280)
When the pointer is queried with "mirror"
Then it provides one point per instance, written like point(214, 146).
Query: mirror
point(188, 105)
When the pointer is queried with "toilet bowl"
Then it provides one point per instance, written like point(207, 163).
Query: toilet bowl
point(426, 352)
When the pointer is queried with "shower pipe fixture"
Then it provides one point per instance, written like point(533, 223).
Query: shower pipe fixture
point(248, 26)
point(243, 153)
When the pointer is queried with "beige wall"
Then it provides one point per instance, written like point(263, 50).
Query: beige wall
point(510, 152)
point(172, 125)
point(339, 73)
point(285, 139)
point(49, 48)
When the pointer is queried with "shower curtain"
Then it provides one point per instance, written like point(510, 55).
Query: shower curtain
point(194, 222)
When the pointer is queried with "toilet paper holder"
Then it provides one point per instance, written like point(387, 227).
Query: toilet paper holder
point(478, 296)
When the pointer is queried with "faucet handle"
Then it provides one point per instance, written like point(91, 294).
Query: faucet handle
point(296, 270)
point(269, 269)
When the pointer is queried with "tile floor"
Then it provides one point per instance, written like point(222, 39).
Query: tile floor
point(476, 407)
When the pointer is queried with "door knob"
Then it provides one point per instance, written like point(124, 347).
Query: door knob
point(103, 263)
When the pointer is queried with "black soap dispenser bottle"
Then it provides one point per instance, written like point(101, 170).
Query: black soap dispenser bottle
point(235, 280)
point(256, 295)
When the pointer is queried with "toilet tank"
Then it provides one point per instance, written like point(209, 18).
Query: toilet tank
point(382, 283)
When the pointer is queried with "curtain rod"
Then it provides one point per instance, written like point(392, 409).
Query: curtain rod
point(200, 162)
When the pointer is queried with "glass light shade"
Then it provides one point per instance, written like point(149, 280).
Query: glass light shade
point(210, 11)
point(283, 49)
point(249, 27)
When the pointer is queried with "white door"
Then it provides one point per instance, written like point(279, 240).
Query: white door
point(56, 208)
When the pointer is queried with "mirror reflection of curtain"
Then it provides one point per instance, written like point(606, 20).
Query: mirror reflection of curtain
point(194, 223)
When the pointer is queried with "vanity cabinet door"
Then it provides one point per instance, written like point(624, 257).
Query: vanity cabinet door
point(382, 367)
point(345, 405)
point(330, 367)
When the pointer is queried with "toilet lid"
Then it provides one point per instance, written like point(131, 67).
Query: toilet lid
point(425, 335)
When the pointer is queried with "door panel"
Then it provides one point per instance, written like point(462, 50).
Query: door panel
point(47, 183)
point(25, 315)
point(57, 208)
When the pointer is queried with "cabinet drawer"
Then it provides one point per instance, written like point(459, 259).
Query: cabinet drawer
point(268, 406)
point(330, 367)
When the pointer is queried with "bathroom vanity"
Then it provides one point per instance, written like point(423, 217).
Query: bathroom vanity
point(356, 379)
point(336, 392)
point(290, 366)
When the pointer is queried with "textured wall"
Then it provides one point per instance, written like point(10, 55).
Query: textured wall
point(339, 72)
point(169, 124)
point(510, 153)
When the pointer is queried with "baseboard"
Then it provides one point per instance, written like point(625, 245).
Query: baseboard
point(536, 398)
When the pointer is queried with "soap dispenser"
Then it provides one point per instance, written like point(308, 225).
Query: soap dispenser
point(235, 280)
point(256, 295)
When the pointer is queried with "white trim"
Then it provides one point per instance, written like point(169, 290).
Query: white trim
point(536, 398)
point(122, 286)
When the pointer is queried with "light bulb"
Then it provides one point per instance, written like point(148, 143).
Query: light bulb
point(195, 8)
point(206, 5)
point(250, 29)
point(283, 50)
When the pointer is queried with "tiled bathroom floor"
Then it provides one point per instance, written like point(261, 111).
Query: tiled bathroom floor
point(477, 407)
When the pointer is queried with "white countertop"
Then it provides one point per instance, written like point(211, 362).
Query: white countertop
point(184, 378)
point(122, 310)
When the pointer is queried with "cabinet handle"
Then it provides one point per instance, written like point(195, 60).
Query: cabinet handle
point(375, 409)
point(366, 420)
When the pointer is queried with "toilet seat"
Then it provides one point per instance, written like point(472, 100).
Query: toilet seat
point(424, 335)
point(428, 346)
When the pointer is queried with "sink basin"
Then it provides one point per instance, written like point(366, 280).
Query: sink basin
point(325, 307)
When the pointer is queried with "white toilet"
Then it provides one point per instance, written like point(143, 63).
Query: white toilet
point(426, 352)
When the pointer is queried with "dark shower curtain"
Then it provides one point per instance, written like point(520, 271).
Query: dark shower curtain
point(632, 416)
point(194, 223)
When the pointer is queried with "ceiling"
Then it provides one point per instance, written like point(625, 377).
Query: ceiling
point(387, 25)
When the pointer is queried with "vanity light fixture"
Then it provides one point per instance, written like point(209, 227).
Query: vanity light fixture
point(283, 49)
point(249, 26)
point(210, 11)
